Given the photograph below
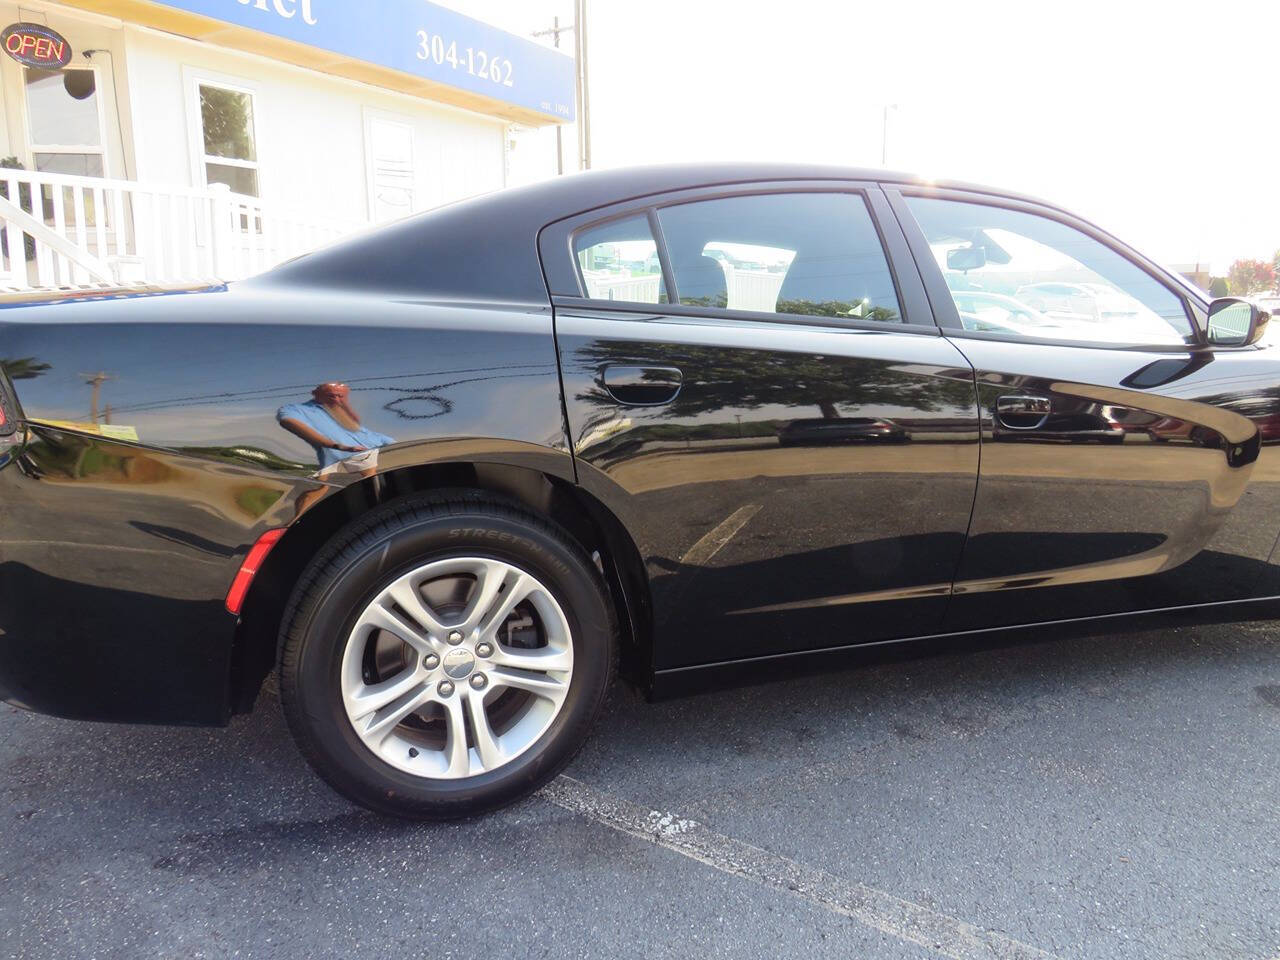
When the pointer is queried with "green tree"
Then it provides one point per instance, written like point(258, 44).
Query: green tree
point(228, 123)
point(1251, 276)
point(1219, 287)
point(24, 368)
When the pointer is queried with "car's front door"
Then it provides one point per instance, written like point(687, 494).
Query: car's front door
point(1126, 465)
point(770, 411)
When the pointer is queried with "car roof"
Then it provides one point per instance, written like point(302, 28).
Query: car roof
point(485, 248)
point(598, 188)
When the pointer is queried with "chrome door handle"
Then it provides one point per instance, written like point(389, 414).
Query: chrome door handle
point(1039, 406)
point(641, 386)
point(1019, 412)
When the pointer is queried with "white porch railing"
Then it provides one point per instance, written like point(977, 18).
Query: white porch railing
point(143, 233)
point(609, 285)
point(747, 289)
point(752, 289)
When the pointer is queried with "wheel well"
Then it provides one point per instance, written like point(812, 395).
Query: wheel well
point(587, 520)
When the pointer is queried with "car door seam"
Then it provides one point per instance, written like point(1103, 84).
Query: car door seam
point(977, 477)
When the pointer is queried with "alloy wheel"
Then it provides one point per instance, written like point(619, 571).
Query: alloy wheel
point(457, 667)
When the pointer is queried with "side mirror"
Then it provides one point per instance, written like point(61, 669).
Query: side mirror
point(1235, 323)
point(966, 258)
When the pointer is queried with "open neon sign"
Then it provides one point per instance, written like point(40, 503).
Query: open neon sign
point(35, 45)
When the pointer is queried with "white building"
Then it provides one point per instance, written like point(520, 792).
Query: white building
point(189, 139)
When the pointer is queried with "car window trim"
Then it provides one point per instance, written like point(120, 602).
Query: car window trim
point(645, 213)
point(658, 311)
point(918, 316)
point(945, 310)
point(664, 256)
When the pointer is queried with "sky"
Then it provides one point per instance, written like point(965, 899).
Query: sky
point(1160, 121)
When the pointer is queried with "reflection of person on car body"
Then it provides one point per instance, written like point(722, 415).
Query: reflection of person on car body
point(328, 423)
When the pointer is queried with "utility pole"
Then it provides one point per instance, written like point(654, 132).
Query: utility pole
point(554, 33)
point(584, 89)
point(95, 380)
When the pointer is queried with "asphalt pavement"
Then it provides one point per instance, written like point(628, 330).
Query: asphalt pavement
point(1109, 797)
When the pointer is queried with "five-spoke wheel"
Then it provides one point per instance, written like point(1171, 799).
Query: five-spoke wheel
point(445, 656)
point(438, 693)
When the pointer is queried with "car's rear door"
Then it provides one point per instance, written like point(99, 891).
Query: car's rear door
point(1126, 465)
point(770, 410)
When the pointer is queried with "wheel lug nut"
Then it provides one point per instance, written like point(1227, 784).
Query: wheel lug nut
point(484, 650)
point(445, 688)
point(431, 661)
point(479, 681)
point(455, 637)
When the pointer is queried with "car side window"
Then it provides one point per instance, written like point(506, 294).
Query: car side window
point(618, 260)
point(810, 254)
point(1025, 275)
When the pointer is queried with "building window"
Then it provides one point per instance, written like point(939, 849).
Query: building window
point(66, 125)
point(230, 145)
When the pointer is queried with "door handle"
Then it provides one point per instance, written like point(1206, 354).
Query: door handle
point(1019, 412)
point(641, 386)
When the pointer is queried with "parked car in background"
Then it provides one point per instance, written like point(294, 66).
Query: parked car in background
point(1074, 302)
point(817, 431)
point(448, 477)
point(995, 312)
point(1268, 302)
point(1114, 314)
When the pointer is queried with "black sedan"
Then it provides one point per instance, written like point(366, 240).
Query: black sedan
point(692, 422)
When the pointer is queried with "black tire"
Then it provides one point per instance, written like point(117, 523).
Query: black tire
point(370, 553)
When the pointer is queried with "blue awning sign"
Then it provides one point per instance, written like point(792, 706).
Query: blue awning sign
point(414, 37)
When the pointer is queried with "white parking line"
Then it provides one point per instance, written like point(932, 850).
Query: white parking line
point(897, 917)
point(709, 543)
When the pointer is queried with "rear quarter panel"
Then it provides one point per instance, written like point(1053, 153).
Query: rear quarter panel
point(121, 532)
